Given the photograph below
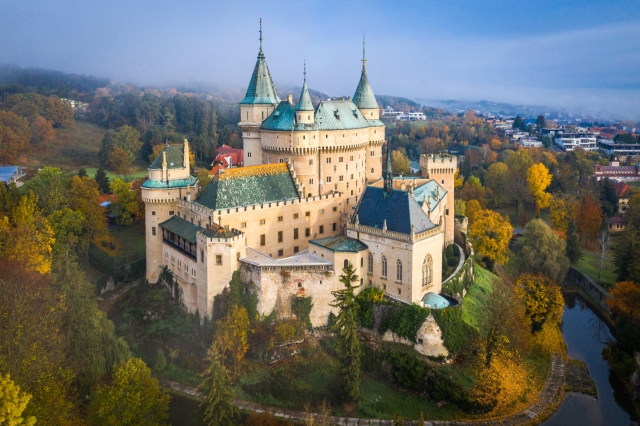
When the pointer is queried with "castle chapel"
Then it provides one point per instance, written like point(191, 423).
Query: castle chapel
point(312, 197)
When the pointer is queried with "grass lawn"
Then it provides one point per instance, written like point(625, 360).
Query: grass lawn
point(590, 265)
point(634, 184)
point(477, 297)
point(136, 173)
point(131, 241)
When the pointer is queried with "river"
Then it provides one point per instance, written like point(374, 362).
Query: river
point(585, 335)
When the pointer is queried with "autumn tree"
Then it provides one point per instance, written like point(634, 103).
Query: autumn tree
point(588, 219)
point(155, 152)
point(43, 130)
point(203, 178)
point(472, 209)
point(50, 185)
point(232, 336)
point(625, 299)
point(472, 190)
point(347, 327)
point(399, 162)
point(14, 136)
point(84, 198)
point(603, 246)
point(126, 208)
point(216, 385)
point(13, 402)
point(561, 212)
point(134, 398)
point(59, 113)
point(543, 251)
point(539, 179)
point(127, 138)
point(459, 207)
point(497, 178)
point(490, 234)
point(542, 298)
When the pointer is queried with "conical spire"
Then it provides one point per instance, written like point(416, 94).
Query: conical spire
point(261, 89)
point(388, 173)
point(364, 97)
point(304, 104)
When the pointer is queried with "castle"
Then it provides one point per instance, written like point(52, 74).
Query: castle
point(312, 197)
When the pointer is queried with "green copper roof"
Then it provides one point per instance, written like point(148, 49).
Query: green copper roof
point(182, 228)
point(340, 243)
point(427, 192)
point(364, 97)
point(261, 89)
point(175, 158)
point(304, 104)
point(245, 186)
point(339, 115)
point(282, 118)
point(175, 183)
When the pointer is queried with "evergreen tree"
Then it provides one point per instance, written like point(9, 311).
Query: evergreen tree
point(82, 172)
point(347, 327)
point(465, 170)
point(103, 180)
point(573, 243)
point(217, 387)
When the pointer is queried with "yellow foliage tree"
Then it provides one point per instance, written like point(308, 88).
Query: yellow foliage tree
point(625, 300)
point(561, 212)
point(472, 209)
point(233, 333)
point(13, 403)
point(542, 299)
point(155, 152)
point(539, 179)
point(457, 180)
point(490, 234)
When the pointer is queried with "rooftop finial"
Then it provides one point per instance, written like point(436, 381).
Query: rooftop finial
point(364, 57)
point(305, 70)
point(261, 33)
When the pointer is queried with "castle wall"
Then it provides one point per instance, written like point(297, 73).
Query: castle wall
point(442, 169)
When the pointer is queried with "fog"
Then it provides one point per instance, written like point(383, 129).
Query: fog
point(584, 56)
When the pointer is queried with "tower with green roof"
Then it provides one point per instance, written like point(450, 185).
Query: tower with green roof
point(304, 109)
point(364, 98)
point(259, 102)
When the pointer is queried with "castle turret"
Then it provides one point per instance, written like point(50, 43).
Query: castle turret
point(364, 98)
point(259, 102)
point(304, 110)
point(442, 169)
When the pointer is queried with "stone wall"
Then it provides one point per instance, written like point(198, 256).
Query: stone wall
point(593, 289)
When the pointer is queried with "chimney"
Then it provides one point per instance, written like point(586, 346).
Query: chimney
point(290, 98)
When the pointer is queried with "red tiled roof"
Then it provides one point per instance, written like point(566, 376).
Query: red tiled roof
point(230, 157)
point(615, 219)
point(621, 188)
point(108, 197)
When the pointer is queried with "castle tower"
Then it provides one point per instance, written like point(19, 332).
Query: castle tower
point(259, 102)
point(304, 110)
point(442, 169)
point(364, 98)
point(169, 180)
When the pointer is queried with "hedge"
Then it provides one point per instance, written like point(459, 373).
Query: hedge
point(405, 321)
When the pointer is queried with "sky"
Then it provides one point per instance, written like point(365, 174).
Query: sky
point(579, 55)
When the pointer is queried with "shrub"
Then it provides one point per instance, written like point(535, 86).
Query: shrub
point(408, 370)
point(161, 361)
point(448, 252)
point(405, 321)
point(455, 332)
point(456, 250)
point(365, 300)
point(453, 260)
point(301, 307)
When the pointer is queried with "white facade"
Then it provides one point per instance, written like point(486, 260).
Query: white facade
point(571, 141)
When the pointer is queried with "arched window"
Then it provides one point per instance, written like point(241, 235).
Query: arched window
point(427, 270)
point(362, 261)
point(399, 271)
point(370, 263)
point(346, 263)
point(384, 266)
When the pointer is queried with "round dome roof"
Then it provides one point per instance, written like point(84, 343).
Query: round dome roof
point(435, 301)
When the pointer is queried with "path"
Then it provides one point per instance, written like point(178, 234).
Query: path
point(110, 298)
point(546, 399)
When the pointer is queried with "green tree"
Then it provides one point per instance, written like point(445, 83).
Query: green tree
point(543, 251)
point(67, 227)
point(540, 121)
point(627, 255)
point(497, 178)
point(216, 385)
point(102, 180)
point(347, 327)
point(134, 398)
point(50, 185)
point(573, 251)
point(13, 403)
point(125, 137)
point(126, 208)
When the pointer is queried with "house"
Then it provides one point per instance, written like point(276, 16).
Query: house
point(616, 224)
point(610, 147)
point(227, 157)
point(11, 174)
point(571, 141)
point(615, 171)
point(623, 191)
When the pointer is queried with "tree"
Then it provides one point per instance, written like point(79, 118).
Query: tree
point(539, 179)
point(126, 208)
point(561, 212)
point(603, 244)
point(59, 113)
point(472, 190)
point(540, 121)
point(497, 178)
point(543, 251)
point(125, 137)
point(216, 385)
point(608, 198)
point(465, 169)
point(14, 136)
point(399, 162)
point(627, 255)
point(203, 178)
point(43, 130)
point(490, 234)
point(518, 123)
point(542, 298)
point(50, 185)
point(573, 251)
point(625, 138)
point(119, 161)
point(13, 403)
point(459, 207)
point(347, 326)
point(84, 197)
point(472, 209)
point(102, 180)
point(134, 398)
point(625, 300)
point(232, 337)
point(155, 151)
point(588, 219)
point(67, 228)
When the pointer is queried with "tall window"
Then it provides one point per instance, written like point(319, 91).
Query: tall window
point(427, 270)
point(399, 271)
point(346, 263)
point(370, 265)
point(384, 266)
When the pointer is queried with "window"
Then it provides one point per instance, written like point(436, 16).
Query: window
point(321, 211)
point(340, 178)
point(352, 192)
point(361, 261)
point(249, 154)
point(238, 256)
point(334, 226)
point(243, 224)
point(153, 231)
point(427, 268)
point(351, 158)
point(340, 160)
point(166, 255)
point(446, 211)
point(280, 236)
point(179, 263)
point(280, 160)
point(307, 214)
point(263, 240)
point(399, 292)
point(328, 179)
point(295, 215)
point(384, 266)
point(346, 263)
point(171, 212)
point(335, 209)
point(268, 160)
point(311, 162)
point(280, 218)
point(262, 222)
point(296, 249)
point(372, 170)
point(310, 181)
point(321, 229)
point(307, 232)
point(399, 271)
point(329, 160)
point(295, 234)
point(153, 212)
point(373, 153)
point(201, 256)
point(280, 253)
point(351, 176)
point(193, 272)
point(370, 266)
